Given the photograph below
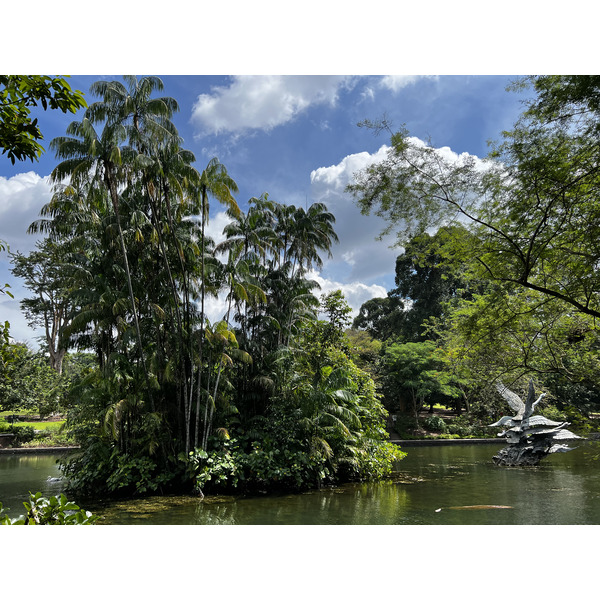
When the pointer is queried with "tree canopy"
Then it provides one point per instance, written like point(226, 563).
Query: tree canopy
point(19, 132)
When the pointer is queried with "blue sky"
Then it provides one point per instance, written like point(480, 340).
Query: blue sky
point(296, 138)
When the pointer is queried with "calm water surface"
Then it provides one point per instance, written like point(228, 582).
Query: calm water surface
point(434, 485)
point(22, 473)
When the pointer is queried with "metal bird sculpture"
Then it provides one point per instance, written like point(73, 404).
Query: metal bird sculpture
point(530, 438)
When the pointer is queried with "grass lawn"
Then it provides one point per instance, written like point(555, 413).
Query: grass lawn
point(8, 413)
point(41, 425)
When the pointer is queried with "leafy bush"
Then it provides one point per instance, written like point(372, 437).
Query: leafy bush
point(56, 510)
point(49, 439)
point(467, 426)
point(100, 469)
point(138, 474)
point(261, 467)
point(580, 424)
point(23, 434)
point(552, 413)
point(377, 461)
point(404, 424)
point(434, 423)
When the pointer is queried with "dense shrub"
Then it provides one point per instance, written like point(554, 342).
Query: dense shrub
point(468, 426)
point(23, 434)
point(580, 423)
point(100, 469)
point(261, 465)
point(435, 424)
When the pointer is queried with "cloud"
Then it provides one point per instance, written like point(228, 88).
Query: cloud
point(397, 82)
point(358, 256)
point(368, 94)
point(19, 329)
point(355, 293)
point(216, 308)
point(21, 198)
point(262, 102)
point(362, 264)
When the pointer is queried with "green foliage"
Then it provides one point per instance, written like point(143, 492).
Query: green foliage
point(468, 426)
point(101, 469)
point(515, 290)
point(431, 276)
point(338, 312)
point(540, 212)
point(27, 382)
point(433, 423)
point(137, 475)
point(552, 412)
point(580, 423)
point(277, 465)
point(263, 466)
point(383, 318)
point(413, 374)
point(22, 433)
point(46, 273)
point(19, 133)
point(324, 424)
point(56, 510)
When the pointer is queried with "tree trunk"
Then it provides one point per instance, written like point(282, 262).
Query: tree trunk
point(115, 203)
point(56, 359)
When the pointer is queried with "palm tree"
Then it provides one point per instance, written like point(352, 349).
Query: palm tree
point(99, 160)
point(144, 117)
point(250, 232)
point(312, 231)
point(214, 181)
point(167, 180)
point(166, 174)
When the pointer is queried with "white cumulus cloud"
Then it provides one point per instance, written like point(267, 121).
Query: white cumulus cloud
point(262, 102)
point(355, 293)
point(358, 256)
point(21, 198)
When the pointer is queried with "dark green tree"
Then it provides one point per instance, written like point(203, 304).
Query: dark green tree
point(430, 276)
point(413, 374)
point(383, 318)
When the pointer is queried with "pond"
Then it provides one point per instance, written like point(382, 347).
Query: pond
point(434, 485)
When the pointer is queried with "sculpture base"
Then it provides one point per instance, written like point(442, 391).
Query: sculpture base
point(520, 456)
